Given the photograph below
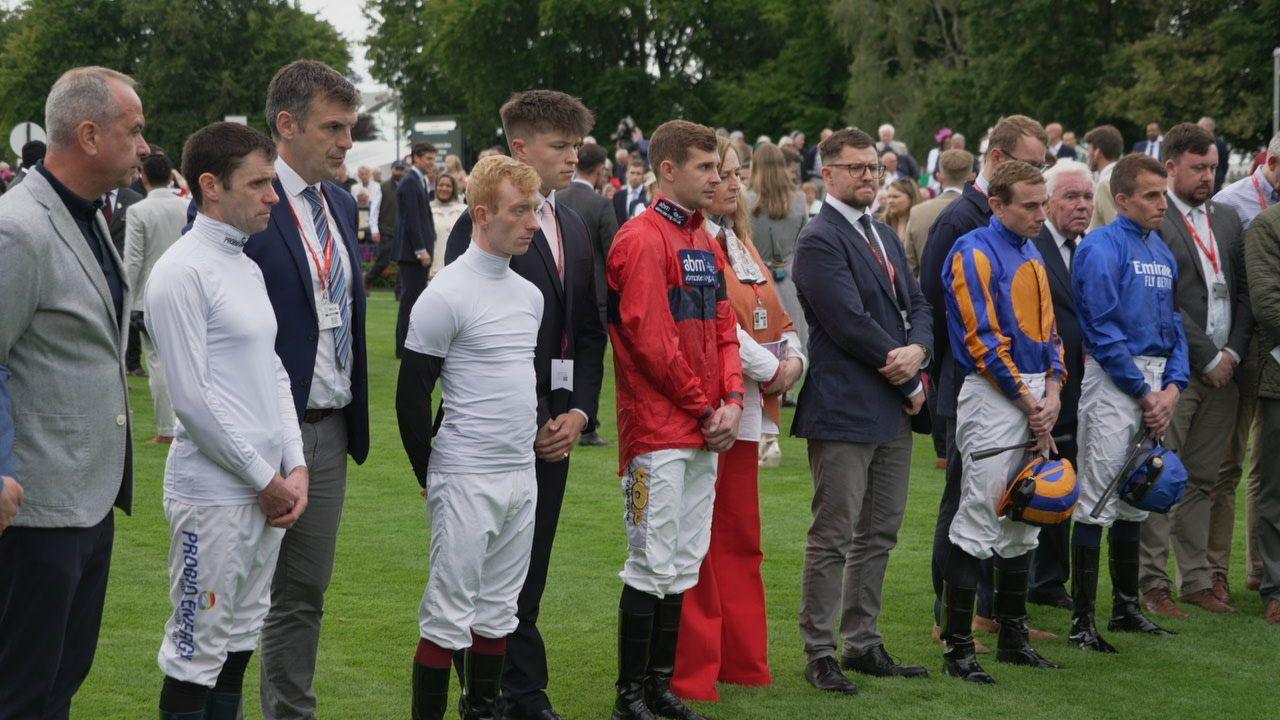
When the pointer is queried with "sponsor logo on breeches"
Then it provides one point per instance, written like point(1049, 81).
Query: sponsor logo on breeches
point(184, 615)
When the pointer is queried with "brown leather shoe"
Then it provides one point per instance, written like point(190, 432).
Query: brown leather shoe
point(1206, 600)
point(1160, 602)
point(978, 647)
point(159, 440)
point(988, 625)
point(1253, 582)
point(941, 464)
point(1222, 588)
point(1273, 612)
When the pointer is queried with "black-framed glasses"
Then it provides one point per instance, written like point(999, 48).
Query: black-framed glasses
point(859, 169)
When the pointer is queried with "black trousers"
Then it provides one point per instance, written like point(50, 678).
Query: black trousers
point(1051, 561)
point(947, 508)
point(413, 280)
point(524, 679)
point(382, 259)
point(133, 353)
point(52, 585)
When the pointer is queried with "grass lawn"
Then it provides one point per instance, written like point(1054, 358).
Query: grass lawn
point(1223, 666)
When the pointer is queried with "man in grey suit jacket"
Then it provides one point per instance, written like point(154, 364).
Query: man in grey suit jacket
point(61, 341)
point(154, 224)
point(1207, 241)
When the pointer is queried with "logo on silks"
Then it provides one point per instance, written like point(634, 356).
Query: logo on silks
point(698, 267)
point(207, 600)
point(1157, 482)
point(637, 496)
point(188, 581)
point(1043, 493)
point(673, 213)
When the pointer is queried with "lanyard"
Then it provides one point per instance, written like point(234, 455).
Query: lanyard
point(322, 270)
point(1210, 252)
point(1262, 200)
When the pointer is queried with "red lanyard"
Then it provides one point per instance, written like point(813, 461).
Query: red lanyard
point(322, 270)
point(1262, 200)
point(1210, 252)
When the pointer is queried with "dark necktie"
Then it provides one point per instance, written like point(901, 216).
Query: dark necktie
point(865, 222)
point(106, 207)
point(1071, 252)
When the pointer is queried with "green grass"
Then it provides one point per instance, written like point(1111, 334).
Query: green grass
point(1219, 666)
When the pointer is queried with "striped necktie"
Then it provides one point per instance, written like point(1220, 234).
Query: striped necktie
point(336, 283)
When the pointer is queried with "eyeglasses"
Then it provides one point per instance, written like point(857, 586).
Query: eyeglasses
point(859, 169)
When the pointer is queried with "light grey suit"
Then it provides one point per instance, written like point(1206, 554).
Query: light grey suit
point(153, 224)
point(64, 345)
point(1204, 420)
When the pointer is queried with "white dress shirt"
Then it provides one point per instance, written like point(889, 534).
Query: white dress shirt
point(547, 221)
point(375, 201)
point(1218, 320)
point(1061, 241)
point(330, 387)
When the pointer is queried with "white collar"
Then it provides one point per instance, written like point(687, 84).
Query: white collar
point(290, 180)
point(849, 212)
point(1182, 206)
point(547, 199)
point(946, 190)
point(228, 238)
point(1058, 238)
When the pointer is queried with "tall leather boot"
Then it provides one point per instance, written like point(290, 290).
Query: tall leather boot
point(484, 680)
point(222, 706)
point(1013, 645)
point(1084, 593)
point(430, 692)
point(1126, 612)
point(662, 663)
point(635, 631)
point(959, 591)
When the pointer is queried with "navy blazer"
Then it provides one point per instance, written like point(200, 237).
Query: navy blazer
point(853, 324)
point(570, 315)
point(415, 230)
point(620, 208)
point(968, 213)
point(1064, 313)
point(280, 254)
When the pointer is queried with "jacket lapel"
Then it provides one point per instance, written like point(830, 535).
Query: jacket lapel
point(1052, 258)
point(1179, 228)
point(863, 250)
point(65, 226)
point(286, 223)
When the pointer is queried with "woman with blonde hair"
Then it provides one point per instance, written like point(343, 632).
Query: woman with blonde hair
point(901, 195)
point(778, 210)
point(453, 168)
point(723, 628)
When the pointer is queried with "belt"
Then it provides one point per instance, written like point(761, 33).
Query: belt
point(315, 416)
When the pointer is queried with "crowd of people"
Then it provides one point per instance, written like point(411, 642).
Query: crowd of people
point(1087, 336)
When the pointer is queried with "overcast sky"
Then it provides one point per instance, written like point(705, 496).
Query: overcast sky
point(348, 17)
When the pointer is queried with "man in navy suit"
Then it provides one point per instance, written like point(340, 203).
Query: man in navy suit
point(869, 337)
point(632, 193)
point(415, 234)
point(312, 271)
point(1069, 185)
point(545, 129)
point(1016, 137)
point(1153, 146)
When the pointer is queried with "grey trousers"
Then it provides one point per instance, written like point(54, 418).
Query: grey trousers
point(1269, 501)
point(1203, 423)
point(291, 635)
point(1248, 433)
point(859, 499)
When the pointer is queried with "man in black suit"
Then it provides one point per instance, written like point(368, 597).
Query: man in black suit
point(869, 338)
point(632, 194)
point(1016, 137)
point(311, 268)
point(387, 216)
point(1153, 146)
point(114, 206)
point(1069, 185)
point(415, 234)
point(545, 129)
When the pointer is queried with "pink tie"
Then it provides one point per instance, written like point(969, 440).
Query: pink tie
point(547, 219)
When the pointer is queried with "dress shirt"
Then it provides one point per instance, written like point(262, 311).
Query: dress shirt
point(375, 201)
point(1243, 197)
point(1154, 147)
point(1218, 321)
point(853, 215)
point(85, 213)
point(1061, 241)
point(330, 386)
point(1105, 172)
point(547, 221)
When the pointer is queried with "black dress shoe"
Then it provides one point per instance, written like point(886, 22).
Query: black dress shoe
point(593, 439)
point(878, 663)
point(824, 674)
point(1060, 599)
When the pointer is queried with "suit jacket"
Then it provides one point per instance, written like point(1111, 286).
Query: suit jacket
point(388, 210)
point(153, 225)
point(602, 224)
point(918, 223)
point(1068, 321)
point(808, 161)
point(968, 213)
point(569, 313)
point(1140, 147)
point(64, 347)
point(124, 198)
point(854, 322)
point(280, 253)
point(1192, 293)
point(415, 230)
point(620, 208)
point(1224, 161)
point(1065, 152)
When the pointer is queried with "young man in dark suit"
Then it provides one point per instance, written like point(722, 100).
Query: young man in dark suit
point(869, 338)
point(545, 129)
point(388, 211)
point(415, 234)
point(311, 268)
point(632, 193)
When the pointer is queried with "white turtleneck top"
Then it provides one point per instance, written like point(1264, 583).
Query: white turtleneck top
point(208, 313)
point(482, 319)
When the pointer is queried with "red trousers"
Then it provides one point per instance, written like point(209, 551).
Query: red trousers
point(724, 635)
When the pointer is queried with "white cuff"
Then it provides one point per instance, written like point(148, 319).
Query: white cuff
point(919, 389)
point(584, 415)
point(259, 474)
point(1217, 359)
point(293, 457)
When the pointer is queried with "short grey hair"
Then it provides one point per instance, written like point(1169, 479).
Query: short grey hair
point(1062, 169)
point(80, 95)
point(888, 127)
point(297, 83)
point(1273, 147)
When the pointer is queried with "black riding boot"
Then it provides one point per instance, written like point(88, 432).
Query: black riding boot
point(484, 681)
point(1084, 593)
point(430, 692)
point(959, 593)
point(634, 633)
point(1011, 612)
point(662, 663)
point(1126, 613)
